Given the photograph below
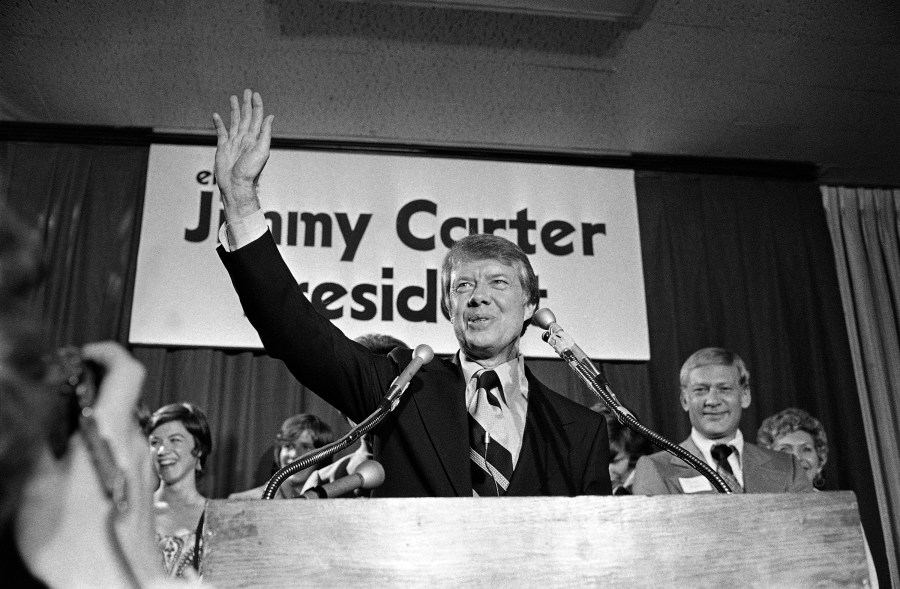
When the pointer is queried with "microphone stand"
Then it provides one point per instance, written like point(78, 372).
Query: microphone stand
point(597, 383)
point(319, 454)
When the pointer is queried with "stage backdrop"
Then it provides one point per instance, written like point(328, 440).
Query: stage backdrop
point(365, 234)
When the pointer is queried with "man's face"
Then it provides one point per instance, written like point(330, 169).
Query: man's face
point(714, 398)
point(487, 309)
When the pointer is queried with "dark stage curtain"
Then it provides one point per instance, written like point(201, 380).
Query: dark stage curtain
point(85, 201)
point(744, 263)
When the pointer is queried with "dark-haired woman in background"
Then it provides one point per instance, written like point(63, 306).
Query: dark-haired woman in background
point(180, 442)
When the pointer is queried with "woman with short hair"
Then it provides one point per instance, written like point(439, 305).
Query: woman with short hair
point(797, 432)
point(180, 441)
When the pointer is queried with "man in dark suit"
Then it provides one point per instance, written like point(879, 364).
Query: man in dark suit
point(552, 445)
point(715, 388)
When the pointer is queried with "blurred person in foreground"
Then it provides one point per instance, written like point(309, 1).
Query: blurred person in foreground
point(180, 443)
point(75, 477)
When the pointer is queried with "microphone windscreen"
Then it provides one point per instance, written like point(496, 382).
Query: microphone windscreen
point(424, 353)
point(544, 318)
point(371, 472)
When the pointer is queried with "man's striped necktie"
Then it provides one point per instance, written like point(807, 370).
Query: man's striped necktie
point(491, 464)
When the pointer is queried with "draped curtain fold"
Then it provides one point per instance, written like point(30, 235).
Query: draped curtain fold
point(745, 263)
point(865, 230)
point(86, 203)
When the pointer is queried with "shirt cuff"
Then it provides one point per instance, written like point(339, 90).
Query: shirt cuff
point(234, 236)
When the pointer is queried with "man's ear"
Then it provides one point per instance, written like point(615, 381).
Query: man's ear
point(684, 400)
point(530, 308)
point(745, 398)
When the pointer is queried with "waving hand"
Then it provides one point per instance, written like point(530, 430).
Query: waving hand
point(241, 154)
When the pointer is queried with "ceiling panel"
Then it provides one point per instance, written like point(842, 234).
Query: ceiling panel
point(807, 81)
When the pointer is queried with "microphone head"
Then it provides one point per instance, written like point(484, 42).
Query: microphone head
point(372, 473)
point(424, 353)
point(543, 318)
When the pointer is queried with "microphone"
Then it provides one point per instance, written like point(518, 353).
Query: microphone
point(561, 341)
point(423, 354)
point(368, 475)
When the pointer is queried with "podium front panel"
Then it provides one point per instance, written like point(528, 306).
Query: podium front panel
point(740, 540)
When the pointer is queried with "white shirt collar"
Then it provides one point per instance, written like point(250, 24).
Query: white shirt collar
point(705, 445)
point(511, 374)
point(515, 397)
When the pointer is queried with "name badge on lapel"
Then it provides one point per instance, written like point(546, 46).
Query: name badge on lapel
point(695, 484)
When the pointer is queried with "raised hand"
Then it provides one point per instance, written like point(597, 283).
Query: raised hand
point(116, 420)
point(241, 154)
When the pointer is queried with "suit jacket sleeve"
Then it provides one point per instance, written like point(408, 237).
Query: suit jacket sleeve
point(647, 478)
point(318, 354)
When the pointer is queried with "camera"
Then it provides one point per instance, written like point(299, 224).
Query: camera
point(74, 383)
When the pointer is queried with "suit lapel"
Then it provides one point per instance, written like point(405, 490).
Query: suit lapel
point(756, 474)
point(442, 409)
point(537, 442)
point(525, 480)
point(680, 468)
point(691, 447)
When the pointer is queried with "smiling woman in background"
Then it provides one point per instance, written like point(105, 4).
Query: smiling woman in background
point(180, 443)
point(797, 432)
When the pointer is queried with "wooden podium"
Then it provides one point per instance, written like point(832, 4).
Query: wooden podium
point(784, 540)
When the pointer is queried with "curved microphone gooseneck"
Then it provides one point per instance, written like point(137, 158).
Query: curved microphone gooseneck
point(593, 377)
point(423, 354)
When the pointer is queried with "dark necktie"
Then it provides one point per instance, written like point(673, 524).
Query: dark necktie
point(491, 462)
point(721, 452)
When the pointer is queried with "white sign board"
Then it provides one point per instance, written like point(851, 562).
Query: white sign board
point(364, 236)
